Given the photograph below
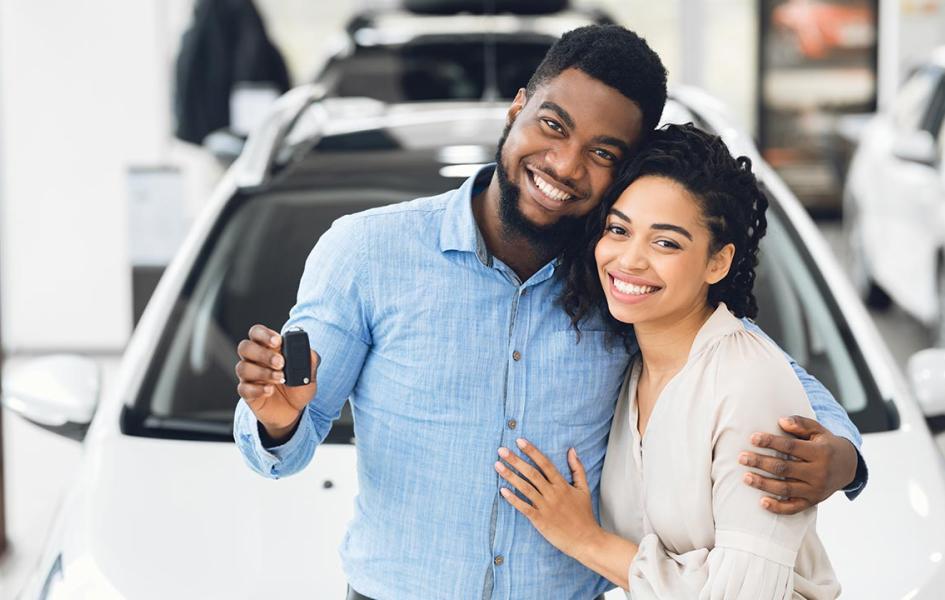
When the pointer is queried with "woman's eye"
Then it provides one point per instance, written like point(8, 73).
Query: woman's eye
point(617, 229)
point(668, 244)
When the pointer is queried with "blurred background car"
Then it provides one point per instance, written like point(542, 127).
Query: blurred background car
point(195, 511)
point(403, 56)
point(894, 202)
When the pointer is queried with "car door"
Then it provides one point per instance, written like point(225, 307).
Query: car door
point(905, 225)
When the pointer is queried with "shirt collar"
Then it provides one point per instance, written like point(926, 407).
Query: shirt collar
point(459, 230)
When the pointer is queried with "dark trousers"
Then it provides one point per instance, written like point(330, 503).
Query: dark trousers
point(353, 595)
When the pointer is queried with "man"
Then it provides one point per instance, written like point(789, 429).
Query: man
point(438, 318)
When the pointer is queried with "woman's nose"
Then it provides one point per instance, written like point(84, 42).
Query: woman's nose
point(633, 257)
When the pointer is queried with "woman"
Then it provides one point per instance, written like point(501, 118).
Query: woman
point(676, 262)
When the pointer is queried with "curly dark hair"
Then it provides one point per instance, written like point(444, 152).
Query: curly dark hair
point(733, 207)
point(614, 56)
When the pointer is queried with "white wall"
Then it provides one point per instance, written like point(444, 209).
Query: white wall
point(85, 92)
point(80, 102)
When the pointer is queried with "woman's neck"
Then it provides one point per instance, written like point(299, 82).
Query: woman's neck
point(665, 345)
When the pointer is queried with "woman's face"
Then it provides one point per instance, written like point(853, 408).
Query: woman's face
point(653, 258)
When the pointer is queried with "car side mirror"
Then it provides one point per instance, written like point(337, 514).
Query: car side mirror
point(918, 147)
point(57, 392)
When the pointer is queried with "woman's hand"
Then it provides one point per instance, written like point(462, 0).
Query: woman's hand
point(560, 511)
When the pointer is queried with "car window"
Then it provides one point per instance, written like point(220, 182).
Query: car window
point(432, 68)
point(795, 311)
point(912, 104)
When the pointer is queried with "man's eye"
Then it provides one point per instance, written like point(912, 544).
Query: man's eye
point(552, 125)
point(605, 155)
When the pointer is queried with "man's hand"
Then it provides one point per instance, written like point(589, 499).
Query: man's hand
point(822, 464)
point(277, 407)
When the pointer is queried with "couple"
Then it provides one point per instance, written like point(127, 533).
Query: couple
point(478, 336)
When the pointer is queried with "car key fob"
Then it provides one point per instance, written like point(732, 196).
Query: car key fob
point(298, 358)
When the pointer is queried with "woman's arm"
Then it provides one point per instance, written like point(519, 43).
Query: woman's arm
point(563, 513)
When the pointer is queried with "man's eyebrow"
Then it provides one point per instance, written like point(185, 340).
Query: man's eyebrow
point(559, 111)
point(657, 226)
point(607, 140)
point(612, 141)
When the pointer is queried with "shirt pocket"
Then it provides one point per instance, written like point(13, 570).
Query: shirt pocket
point(587, 377)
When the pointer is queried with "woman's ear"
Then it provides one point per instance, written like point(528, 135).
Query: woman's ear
point(719, 264)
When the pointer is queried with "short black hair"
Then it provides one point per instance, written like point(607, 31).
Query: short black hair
point(614, 56)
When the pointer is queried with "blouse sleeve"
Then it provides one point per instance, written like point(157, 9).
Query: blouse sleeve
point(755, 550)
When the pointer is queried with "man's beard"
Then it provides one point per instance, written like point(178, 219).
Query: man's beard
point(545, 239)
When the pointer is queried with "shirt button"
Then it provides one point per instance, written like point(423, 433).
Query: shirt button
point(516, 355)
point(498, 561)
point(511, 423)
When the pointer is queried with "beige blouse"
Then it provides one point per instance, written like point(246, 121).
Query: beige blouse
point(678, 492)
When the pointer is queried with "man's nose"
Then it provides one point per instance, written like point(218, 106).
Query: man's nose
point(566, 162)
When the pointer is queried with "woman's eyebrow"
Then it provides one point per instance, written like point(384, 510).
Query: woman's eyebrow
point(668, 227)
point(657, 226)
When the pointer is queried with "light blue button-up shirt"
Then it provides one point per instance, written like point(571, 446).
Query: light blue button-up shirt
point(446, 356)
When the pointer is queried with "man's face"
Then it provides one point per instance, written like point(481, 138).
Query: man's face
point(558, 153)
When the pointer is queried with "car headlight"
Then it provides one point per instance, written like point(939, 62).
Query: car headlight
point(52, 585)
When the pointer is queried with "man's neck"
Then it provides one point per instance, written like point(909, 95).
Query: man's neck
point(516, 251)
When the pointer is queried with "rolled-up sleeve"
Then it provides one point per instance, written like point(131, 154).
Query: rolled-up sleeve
point(334, 307)
point(754, 551)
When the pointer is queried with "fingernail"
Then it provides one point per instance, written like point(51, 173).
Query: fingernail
point(747, 479)
point(765, 503)
point(282, 380)
point(505, 492)
point(503, 452)
point(521, 443)
point(498, 466)
point(756, 439)
point(274, 340)
point(743, 458)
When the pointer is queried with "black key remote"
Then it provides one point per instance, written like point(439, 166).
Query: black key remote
point(298, 358)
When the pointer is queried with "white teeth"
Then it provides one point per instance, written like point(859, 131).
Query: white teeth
point(550, 190)
point(634, 290)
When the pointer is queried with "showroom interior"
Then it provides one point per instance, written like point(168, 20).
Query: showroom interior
point(144, 144)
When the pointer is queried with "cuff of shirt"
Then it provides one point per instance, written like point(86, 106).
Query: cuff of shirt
point(859, 480)
point(270, 458)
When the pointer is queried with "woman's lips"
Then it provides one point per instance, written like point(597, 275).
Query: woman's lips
point(631, 293)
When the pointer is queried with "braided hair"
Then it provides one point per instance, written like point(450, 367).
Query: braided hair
point(733, 208)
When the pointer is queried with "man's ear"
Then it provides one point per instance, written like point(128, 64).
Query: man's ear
point(516, 107)
point(719, 264)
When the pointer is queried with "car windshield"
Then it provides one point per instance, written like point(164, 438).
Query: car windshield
point(250, 265)
point(454, 67)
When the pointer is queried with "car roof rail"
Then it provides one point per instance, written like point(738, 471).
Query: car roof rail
point(253, 168)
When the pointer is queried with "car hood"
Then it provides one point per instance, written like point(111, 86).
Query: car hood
point(890, 541)
point(195, 522)
point(157, 519)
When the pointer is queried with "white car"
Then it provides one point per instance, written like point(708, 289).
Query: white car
point(165, 508)
point(894, 201)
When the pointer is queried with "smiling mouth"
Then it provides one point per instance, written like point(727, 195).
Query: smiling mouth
point(631, 289)
point(547, 189)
